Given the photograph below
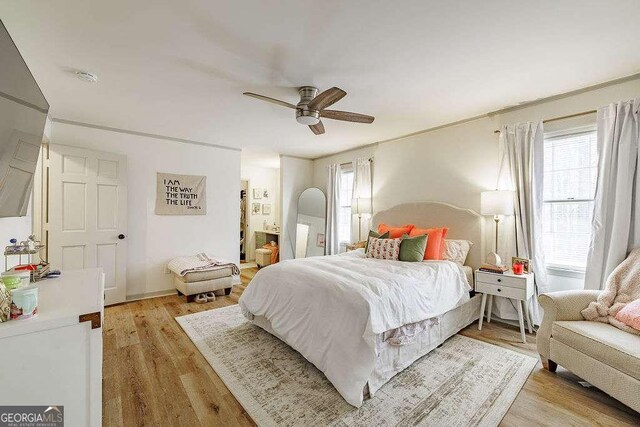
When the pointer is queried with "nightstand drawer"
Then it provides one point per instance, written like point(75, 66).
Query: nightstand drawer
point(502, 280)
point(503, 291)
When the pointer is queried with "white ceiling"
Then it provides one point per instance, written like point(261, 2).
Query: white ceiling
point(178, 68)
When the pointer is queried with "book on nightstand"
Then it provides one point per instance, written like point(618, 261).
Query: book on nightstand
point(498, 269)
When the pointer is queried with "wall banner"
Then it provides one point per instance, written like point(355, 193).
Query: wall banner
point(181, 194)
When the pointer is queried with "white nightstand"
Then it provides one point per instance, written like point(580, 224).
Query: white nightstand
point(518, 288)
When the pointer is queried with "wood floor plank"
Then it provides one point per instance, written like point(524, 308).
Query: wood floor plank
point(154, 375)
point(173, 402)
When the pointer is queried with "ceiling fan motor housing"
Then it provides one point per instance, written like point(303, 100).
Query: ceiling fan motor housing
point(303, 114)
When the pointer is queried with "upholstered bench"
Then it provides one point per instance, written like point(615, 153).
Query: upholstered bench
point(198, 282)
point(263, 257)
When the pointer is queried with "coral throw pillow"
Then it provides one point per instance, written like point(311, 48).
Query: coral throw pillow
point(435, 242)
point(384, 248)
point(395, 232)
point(630, 315)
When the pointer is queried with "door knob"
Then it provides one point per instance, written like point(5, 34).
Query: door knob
point(121, 236)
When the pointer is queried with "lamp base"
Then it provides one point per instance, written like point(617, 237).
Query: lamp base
point(494, 259)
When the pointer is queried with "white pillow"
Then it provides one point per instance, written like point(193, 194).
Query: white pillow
point(384, 248)
point(456, 250)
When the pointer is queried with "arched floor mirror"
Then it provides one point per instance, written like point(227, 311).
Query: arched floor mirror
point(310, 228)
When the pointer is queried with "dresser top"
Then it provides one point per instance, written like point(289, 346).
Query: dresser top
point(61, 301)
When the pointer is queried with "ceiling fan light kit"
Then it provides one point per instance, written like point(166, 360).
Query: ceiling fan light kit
point(311, 107)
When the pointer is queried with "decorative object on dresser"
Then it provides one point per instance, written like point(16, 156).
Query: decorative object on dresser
point(490, 268)
point(523, 265)
point(56, 358)
point(518, 288)
point(496, 203)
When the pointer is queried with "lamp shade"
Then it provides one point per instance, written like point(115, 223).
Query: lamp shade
point(361, 205)
point(498, 202)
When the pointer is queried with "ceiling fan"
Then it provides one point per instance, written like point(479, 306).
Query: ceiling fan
point(312, 107)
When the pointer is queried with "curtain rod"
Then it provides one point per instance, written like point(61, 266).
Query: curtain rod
point(349, 163)
point(570, 116)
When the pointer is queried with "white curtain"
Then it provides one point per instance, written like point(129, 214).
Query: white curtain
point(361, 194)
point(332, 234)
point(523, 157)
point(616, 215)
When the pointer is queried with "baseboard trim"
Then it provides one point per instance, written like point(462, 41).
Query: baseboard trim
point(147, 295)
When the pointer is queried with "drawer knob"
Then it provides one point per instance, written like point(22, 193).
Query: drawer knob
point(499, 280)
point(499, 290)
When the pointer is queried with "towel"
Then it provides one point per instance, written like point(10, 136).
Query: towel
point(201, 262)
point(622, 287)
point(274, 252)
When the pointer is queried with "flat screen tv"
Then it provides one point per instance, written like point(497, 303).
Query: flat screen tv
point(23, 113)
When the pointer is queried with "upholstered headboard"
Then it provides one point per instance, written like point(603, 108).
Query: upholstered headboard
point(463, 223)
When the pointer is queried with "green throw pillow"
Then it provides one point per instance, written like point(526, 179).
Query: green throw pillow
point(412, 248)
point(376, 235)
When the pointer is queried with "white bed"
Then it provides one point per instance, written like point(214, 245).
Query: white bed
point(361, 321)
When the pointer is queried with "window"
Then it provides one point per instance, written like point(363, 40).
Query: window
point(346, 191)
point(570, 173)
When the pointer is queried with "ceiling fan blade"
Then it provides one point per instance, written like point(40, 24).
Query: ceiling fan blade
point(327, 98)
point(318, 128)
point(272, 100)
point(346, 116)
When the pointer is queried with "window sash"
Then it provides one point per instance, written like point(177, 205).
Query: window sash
point(561, 240)
point(568, 201)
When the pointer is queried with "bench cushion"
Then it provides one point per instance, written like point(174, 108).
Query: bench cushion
point(192, 288)
point(198, 276)
point(603, 342)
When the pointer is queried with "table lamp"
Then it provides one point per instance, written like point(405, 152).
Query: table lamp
point(360, 206)
point(496, 203)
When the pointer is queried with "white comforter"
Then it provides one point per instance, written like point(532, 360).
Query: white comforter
point(331, 308)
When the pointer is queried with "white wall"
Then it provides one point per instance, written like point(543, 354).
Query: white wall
point(154, 239)
point(454, 164)
point(296, 175)
point(262, 178)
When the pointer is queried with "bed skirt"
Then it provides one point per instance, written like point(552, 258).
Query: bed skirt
point(393, 359)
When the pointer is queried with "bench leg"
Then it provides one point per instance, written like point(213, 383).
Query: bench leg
point(550, 365)
point(227, 291)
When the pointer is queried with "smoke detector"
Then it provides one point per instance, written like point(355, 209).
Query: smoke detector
point(87, 77)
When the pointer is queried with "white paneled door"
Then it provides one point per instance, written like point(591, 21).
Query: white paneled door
point(88, 214)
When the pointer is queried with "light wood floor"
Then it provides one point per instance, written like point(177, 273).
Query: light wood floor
point(155, 376)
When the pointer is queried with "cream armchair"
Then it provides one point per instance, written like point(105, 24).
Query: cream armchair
point(603, 355)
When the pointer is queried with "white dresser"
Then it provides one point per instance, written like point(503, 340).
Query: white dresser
point(56, 358)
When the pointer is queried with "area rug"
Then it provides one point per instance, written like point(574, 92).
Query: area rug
point(465, 382)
